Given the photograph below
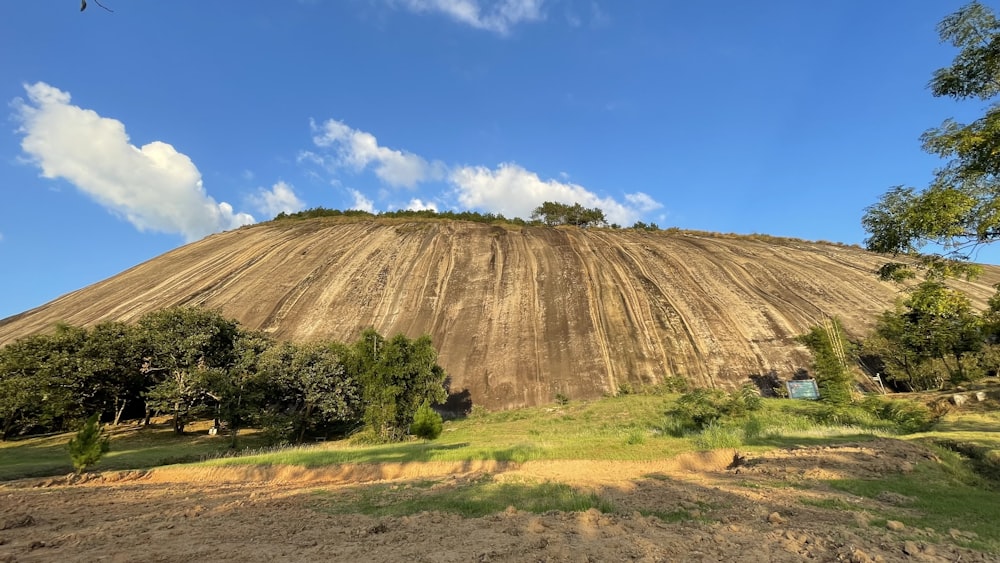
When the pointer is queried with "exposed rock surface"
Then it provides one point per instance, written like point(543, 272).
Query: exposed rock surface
point(518, 314)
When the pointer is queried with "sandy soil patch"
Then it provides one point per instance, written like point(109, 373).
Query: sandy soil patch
point(234, 514)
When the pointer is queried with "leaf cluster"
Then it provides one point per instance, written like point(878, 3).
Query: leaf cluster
point(960, 210)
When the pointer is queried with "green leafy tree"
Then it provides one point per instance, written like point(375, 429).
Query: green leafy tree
point(901, 363)
point(111, 368)
point(397, 376)
point(553, 213)
point(960, 210)
point(89, 444)
point(37, 383)
point(831, 353)
point(181, 346)
point(241, 391)
point(427, 423)
point(931, 337)
point(311, 388)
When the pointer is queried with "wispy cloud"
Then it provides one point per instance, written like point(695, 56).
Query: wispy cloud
point(508, 189)
point(154, 187)
point(596, 17)
point(498, 16)
point(280, 198)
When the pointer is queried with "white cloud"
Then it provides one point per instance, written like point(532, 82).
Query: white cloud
point(516, 192)
point(642, 202)
point(497, 16)
point(362, 203)
point(508, 189)
point(280, 198)
point(358, 149)
point(418, 205)
point(154, 187)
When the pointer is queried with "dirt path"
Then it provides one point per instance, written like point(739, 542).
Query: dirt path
point(273, 515)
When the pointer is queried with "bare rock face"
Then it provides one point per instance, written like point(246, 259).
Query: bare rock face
point(518, 314)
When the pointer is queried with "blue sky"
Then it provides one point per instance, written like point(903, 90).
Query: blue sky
point(130, 133)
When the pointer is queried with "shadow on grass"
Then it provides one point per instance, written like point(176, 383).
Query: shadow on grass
point(139, 448)
point(968, 425)
point(790, 442)
point(412, 452)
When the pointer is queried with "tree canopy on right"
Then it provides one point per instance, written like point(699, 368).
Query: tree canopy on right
point(960, 210)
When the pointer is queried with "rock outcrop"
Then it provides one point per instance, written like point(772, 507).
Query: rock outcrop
point(518, 314)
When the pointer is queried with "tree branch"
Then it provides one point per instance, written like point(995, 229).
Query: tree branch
point(83, 5)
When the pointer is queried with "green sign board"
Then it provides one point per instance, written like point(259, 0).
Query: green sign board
point(803, 389)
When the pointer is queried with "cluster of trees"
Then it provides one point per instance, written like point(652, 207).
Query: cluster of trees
point(549, 213)
point(473, 216)
point(553, 213)
point(934, 335)
point(190, 362)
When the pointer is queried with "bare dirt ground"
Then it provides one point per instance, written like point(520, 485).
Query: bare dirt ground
point(751, 513)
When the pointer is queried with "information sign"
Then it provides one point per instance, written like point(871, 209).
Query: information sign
point(802, 389)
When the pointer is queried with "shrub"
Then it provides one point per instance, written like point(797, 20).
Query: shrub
point(753, 428)
point(635, 436)
point(427, 422)
point(89, 444)
point(908, 416)
point(702, 407)
point(670, 384)
point(562, 399)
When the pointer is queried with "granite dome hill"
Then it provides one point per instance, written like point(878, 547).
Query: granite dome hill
point(518, 313)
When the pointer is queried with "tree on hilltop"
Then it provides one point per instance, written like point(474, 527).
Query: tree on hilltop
point(553, 213)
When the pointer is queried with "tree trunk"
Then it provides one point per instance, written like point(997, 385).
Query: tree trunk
point(178, 422)
point(119, 411)
point(305, 421)
point(960, 370)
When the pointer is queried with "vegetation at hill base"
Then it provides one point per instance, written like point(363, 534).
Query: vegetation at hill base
point(192, 363)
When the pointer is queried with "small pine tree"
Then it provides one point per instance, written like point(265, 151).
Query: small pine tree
point(427, 422)
point(89, 444)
